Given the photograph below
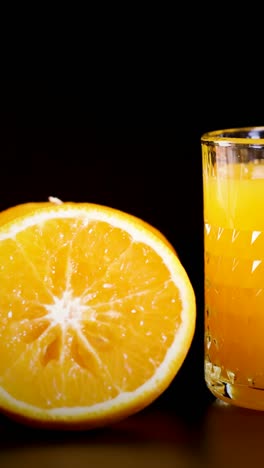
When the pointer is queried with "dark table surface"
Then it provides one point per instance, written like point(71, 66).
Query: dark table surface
point(187, 434)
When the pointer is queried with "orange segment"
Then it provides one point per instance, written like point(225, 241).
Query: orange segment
point(25, 208)
point(97, 314)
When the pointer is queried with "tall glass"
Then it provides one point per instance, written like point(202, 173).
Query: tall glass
point(233, 189)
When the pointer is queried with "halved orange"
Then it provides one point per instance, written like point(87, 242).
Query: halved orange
point(97, 314)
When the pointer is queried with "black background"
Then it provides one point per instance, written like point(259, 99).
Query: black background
point(139, 153)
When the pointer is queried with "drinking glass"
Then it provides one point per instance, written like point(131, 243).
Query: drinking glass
point(233, 191)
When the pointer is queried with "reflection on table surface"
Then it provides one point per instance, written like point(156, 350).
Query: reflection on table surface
point(233, 436)
point(213, 435)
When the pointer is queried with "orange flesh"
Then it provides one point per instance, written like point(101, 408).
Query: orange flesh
point(75, 320)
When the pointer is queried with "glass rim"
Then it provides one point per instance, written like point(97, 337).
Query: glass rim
point(220, 137)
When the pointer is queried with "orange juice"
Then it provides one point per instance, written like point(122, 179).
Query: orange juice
point(234, 282)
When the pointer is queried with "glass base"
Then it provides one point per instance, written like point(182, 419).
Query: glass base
point(234, 394)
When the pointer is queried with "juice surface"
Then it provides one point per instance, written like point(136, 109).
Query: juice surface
point(234, 272)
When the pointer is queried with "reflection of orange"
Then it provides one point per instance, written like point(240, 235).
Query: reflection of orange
point(97, 314)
